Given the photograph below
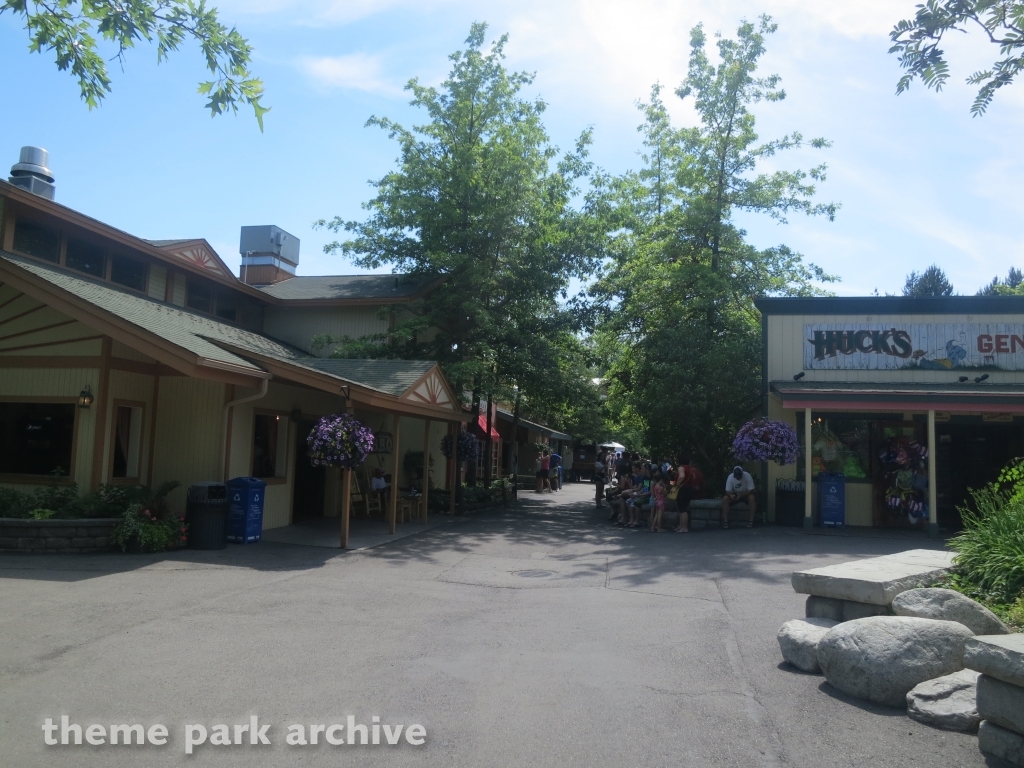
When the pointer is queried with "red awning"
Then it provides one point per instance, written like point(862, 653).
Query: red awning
point(481, 426)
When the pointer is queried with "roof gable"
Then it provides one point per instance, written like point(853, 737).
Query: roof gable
point(198, 253)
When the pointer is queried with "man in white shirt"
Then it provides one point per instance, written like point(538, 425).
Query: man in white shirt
point(739, 486)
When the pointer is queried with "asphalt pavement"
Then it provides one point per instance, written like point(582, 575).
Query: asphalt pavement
point(537, 635)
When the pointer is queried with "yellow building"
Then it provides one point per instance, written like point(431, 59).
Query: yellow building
point(189, 373)
point(914, 401)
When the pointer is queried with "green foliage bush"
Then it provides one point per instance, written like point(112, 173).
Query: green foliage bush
point(145, 531)
point(64, 502)
point(990, 550)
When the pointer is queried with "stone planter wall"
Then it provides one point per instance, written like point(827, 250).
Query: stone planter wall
point(84, 535)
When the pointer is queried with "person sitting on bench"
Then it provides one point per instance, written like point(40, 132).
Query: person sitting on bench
point(739, 486)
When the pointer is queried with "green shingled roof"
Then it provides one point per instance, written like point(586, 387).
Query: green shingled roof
point(347, 287)
point(207, 337)
point(391, 376)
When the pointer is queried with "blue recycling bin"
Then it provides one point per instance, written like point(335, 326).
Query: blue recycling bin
point(245, 509)
point(832, 499)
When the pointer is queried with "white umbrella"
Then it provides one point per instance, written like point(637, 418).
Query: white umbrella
point(613, 446)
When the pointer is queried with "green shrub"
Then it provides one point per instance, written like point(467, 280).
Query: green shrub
point(64, 502)
point(990, 550)
point(142, 529)
point(14, 503)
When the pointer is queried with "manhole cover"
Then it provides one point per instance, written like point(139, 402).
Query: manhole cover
point(534, 574)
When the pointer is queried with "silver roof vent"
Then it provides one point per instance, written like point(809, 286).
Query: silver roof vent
point(31, 172)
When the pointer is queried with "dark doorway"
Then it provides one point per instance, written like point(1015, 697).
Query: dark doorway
point(309, 480)
point(970, 456)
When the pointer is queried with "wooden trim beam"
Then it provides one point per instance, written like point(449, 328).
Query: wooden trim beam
point(346, 505)
point(37, 330)
point(102, 399)
point(426, 468)
point(395, 468)
point(152, 424)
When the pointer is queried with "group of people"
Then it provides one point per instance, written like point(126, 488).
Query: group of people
point(548, 471)
point(632, 485)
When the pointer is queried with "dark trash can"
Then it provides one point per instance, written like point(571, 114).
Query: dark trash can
point(832, 499)
point(245, 509)
point(789, 503)
point(206, 514)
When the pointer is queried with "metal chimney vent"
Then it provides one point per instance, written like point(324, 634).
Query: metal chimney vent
point(31, 172)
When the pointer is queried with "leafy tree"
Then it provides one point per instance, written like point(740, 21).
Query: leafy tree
point(917, 42)
point(931, 282)
point(679, 330)
point(1010, 286)
point(72, 29)
point(480, 197)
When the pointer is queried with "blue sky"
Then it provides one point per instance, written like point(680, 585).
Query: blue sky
point(919, 180)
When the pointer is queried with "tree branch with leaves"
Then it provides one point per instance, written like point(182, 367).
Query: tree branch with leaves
point(917, 41)
point(74, 30)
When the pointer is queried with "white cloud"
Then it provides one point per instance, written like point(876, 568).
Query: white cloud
point(353, 71)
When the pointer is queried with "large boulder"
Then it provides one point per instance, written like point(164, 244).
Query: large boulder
point(947, 605)
point(948, 702)
point(1001, 743)
point(1001, 703)
point(818, 607)
point(881, 658)
point(1000, 656)
point(798, 640)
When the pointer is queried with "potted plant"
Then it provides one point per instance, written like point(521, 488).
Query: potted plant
point(462, 448)
point(339, 440)
point(766, 440)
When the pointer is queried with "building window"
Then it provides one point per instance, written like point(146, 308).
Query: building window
point(131, 273)
point(127, 442)
point(226, 308)
point(37, 240)
point(200, 298)
point(838, 445)
point(36, 438)
point(87, 257)
point(269, 445)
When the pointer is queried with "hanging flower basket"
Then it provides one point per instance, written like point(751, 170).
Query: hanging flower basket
point(465, 447)
point(340, 440)
point(766, 440)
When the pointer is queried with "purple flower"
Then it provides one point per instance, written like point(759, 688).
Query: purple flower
point(339, 440)
point(766, 440)
point(466, 447)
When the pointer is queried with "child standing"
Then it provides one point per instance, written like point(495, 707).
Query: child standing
point(659, 493)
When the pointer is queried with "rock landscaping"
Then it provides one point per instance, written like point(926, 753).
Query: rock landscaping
point(947, 605)
point(798, 640)
point(948, 702)
point(881, 658)
point(877, 633)
point(1000, 660)
point(84, 535)
point(876, 580)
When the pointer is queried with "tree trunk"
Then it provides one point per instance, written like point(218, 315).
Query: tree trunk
point(515, 445)
point(490, 445)
point(471, 466)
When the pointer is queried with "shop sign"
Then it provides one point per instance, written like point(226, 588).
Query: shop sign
point(921, 346)
point(383, 442)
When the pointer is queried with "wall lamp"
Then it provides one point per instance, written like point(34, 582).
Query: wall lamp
point(799, 376)
point(85, 398)
point(981, 378)
point(963, 379)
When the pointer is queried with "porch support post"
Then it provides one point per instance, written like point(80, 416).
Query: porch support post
point(395, 467)
point(426, 467)
point(808, 486)
point(453, 430)
point(933, 494)
point(346, 504)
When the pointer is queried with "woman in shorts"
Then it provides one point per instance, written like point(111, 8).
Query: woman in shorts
point(600, 478)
